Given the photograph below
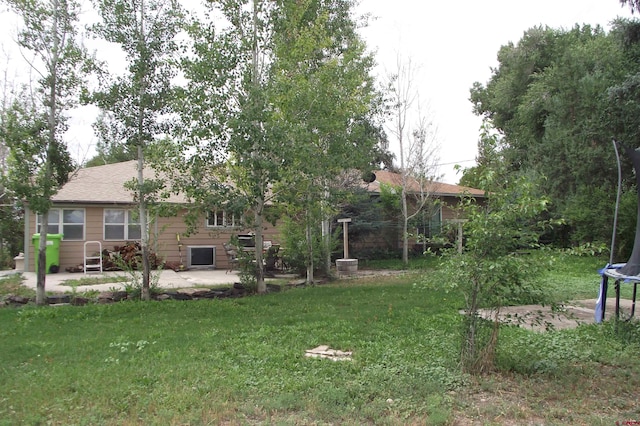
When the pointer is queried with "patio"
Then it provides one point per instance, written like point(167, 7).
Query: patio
point(168, 279)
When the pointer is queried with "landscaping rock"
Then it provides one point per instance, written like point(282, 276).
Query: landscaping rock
point(273, 288)
point(112, 296)
point(58, 299)
point(79, 301)
point(175, 295)
point(13, 299)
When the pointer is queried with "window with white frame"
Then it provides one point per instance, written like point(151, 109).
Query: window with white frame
point(69, 222)
point(120, 224)
point(220, 219)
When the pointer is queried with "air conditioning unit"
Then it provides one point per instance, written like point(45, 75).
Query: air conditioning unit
point(203, 257)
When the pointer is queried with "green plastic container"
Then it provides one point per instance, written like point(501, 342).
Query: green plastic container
point(52, 252)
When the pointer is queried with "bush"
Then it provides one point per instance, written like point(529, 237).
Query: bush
point(492, 272)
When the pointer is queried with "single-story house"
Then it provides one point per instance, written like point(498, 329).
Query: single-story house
point(443, 208)
point(95, 207)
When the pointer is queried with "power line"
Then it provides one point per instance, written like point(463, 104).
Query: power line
point(455, 162)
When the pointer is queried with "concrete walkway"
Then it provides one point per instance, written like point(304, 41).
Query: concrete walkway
point(168, 279)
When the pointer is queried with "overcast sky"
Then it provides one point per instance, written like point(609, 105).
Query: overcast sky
point(456, 43)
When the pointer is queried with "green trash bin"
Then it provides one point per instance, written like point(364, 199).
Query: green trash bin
point(52, 252)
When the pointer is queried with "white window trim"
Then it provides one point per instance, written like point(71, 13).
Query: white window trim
point(126, 224)
point(61, 223)
point(225, 220)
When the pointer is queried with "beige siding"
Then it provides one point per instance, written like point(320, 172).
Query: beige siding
point(163, 239)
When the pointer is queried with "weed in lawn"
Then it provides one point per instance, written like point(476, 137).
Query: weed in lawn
point(85, 281)
point(12, 284)
point(241, 361)
point(415, 263)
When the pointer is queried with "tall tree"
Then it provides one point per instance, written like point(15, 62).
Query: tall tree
point(550, 100)
point(416, 138)
point(229, 154)
point(634, 5)
point(328, 104)
point(11, 217)
point(40, 161)
point(277, 83)
point(139, 101)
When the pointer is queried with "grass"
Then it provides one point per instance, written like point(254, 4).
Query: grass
point(12, 284)
point(241, 361)
point(415, 263)
point(79, 282)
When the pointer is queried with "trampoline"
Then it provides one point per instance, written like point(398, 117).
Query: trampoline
point(622, 273)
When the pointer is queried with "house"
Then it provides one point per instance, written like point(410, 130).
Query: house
point(445, 199)
point(94, 207)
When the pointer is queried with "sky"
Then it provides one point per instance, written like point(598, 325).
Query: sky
point(452, 43)
point(455, 43)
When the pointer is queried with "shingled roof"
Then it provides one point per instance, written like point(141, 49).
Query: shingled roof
point(104, 185)
point(435, 188)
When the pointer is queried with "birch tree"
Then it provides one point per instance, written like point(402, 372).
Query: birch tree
point(39, 159)
point(138, 102)
point(328, 103)
point(282, 100)
point(227, 157)
point(417, 143)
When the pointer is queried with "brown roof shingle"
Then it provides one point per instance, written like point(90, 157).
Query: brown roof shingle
point(104, 184)
point(435, 188)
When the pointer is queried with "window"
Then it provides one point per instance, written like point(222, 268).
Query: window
point(69, 222)
point(432, 226)
point(220, 219)
point(435, 224)
point(121, 225)
point(201, 257)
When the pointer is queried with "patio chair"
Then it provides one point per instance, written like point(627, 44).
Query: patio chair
point(232, 256)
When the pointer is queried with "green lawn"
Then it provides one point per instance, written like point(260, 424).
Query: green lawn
point(241, 361)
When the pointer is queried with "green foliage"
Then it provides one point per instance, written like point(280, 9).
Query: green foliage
point(634, 5)
point(12, 284)
point(134, 362)
point(11, 232)
point(257, 122)
point(556, 99)
point(110, 147)
point(589, 249)
point(37, 166)
point(294, 241)
point(495, 270)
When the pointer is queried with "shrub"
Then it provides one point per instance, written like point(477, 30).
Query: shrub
point(494, 270)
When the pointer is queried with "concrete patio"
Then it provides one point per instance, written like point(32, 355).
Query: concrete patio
point(168, 279)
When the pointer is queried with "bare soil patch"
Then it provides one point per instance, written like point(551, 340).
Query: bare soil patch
point(542, 318)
